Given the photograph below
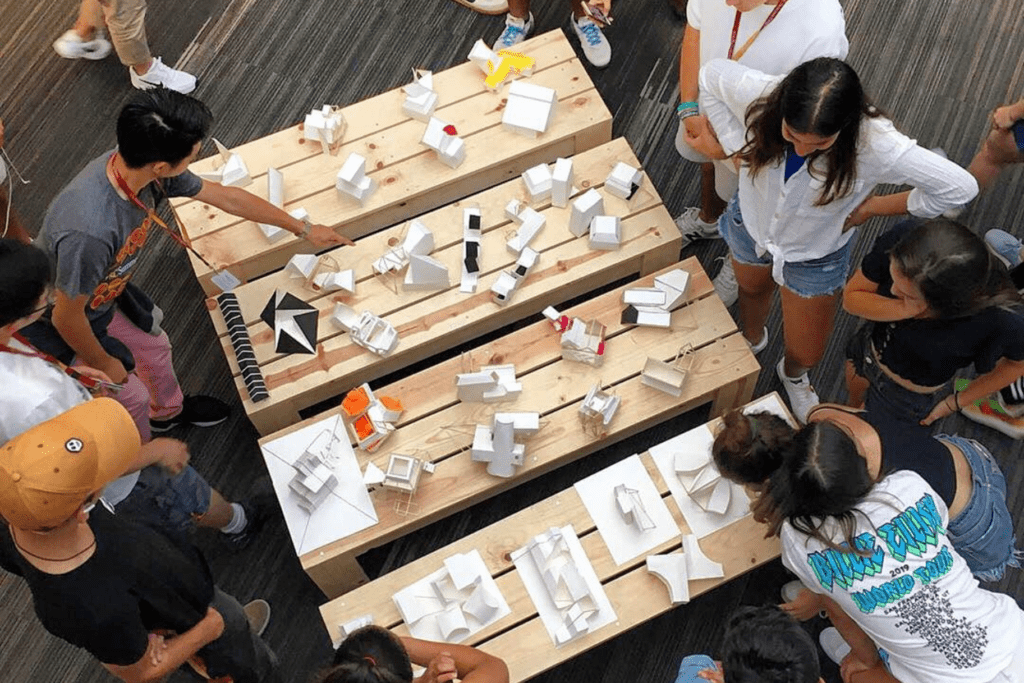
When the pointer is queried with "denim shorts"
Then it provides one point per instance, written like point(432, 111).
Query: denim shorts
point(171, 502)
point(817, 277)
point(983, 531)
point(884, 394)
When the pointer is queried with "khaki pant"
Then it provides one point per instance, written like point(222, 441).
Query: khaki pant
point(126, 20)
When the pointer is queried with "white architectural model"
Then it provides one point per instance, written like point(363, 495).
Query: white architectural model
point(352, 179)
point(668, 377)
point(530, 223)
point(419, 240)
point(321, 273)
point(623, 181)
point(671, 569)
point(353, 625)
point(587, 206)
point(366, 329)
point(703, 483)
point(631, 507)
point(275, 195)
point(294, 323)
point(496, 444)
point(597, 410)
point(699, 565)
point(508, 281)
point(583, 342)
point(491, 384)
point(538, 183)
point(420, 98)
point(653, 306)
point(442, 137)
point(529, 109)
point(500, 66)
point(562, 584)
point(426, 273)
point(371, 419)
point(454, 602)
point(470, 250)
point(561, 182)
point(403, 473)
point(605, 233)
point(232, 172)
point(325, 125)
point(559, 322)
point(373, 477)
point(314, 477)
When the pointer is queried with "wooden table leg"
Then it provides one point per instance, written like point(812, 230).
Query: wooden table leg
point(337, 576)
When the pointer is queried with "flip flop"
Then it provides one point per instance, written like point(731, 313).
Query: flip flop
point(486, 6)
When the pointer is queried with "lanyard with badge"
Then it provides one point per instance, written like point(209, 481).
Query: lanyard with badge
point(750, 41)
point(91, 383)
point(223, 279)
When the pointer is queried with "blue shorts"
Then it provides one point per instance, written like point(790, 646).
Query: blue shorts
point(817, 277)
point(691, 666)
point(983, 531)
point(170, 502)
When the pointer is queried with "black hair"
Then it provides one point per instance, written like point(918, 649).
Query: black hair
point(370, 655)
point(24, 276)
point(954, 270)
point(822, 97)
point(160, 125)
point(766, 645)
point(748, 448)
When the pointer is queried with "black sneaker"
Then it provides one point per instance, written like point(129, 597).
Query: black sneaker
point(198, 411)
point(257, 510)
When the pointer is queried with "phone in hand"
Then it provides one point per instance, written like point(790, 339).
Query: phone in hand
point(596, 13)
point(1018, 134)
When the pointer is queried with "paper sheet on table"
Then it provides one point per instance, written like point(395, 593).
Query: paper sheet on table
point(427, 627)
point(550, 615)
point(624, 540)
point(347, 510)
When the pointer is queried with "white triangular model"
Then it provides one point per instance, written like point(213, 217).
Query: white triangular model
point(420, 98)
point(491, 384)
point(704, 484)
point(233, 172)
point(352, 179)
point(419, 240)
point(450, 148)
point(426, 273)
point(325, 125)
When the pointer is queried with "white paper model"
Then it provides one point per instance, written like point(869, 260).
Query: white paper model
point(301, 265)
point(510, 280)
point(366, 329)
point(491, 384)
point(325, 125)
point(496, 445)
point(232, 172)
point(623, 181)
point(671, 569)
point(538, 183)
point(418, 240)
point(697, 473)
point(560, 323)
point(530, 223)
point(373, 477)
point(586, 207)
point(485, 58)
point(598, 409)
point(470, 250)
point(631, 507)
point(454, 602)
point(426, 273)
point(605, 233)
point(442, 137)
point(352, 625)
point(294, 323)
point(529, 109)
point(403, 473)
point(699, 565)
point(314, 473)
point(275, 195)
point(583, 342)
point(371, 419)
point(341, 280)
point(420, 98)
point(653, 306)
point(352, 180)
point(561, 182)
point(563, 586)
point(666, 377)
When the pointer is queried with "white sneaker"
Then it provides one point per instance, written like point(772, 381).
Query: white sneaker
point(596, 47)
point(833, 644)
point(160, 74)
point(760, 346)
point(515, 32)
point(791, 590)
point(725, 283)
point(73, 46)
point(802, 396)
point(692, 228)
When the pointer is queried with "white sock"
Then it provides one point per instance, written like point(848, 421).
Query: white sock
point(237, 523)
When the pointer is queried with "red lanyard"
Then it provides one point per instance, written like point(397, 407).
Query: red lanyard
point(182, 240)
point(736, 30)
point(88, 382)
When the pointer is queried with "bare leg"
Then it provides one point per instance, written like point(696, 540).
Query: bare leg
point(755, 288)
point(997, 152)
point(15, 230)
point(711, 205)
point(90, 18)
point(856, 386)
point(218, 515)
point(519, 8)
point(807, 325)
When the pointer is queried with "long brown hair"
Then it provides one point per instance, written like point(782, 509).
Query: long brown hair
point(821, 97)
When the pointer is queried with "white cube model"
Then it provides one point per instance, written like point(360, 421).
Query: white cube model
point(623, 181)
point(584, 209)
point(325, 125)
point(352, 179)
point(442, 138)
point(529, 108)
point(538, 183)
point(605, 233)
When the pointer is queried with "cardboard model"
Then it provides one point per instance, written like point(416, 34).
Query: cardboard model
point(668, 377)
point(352, 180)
point(623, 181)
point(442, 137)
point(275, 195)
point(653, 306)
point(470, 250)
point(561, 182)
point(538, 182)
point(605, 233)
point(671, 569)
point(508, 281)
point(529, 109)
point(491, 384)
point(325, 125)
point(366, 329)
point(631, 507)
point(587, 206)
point(530, 223)
point(294, 323)
point(370, 419)
point(597, 410)
point(232, 172)
point(583, 342)
point(420, 98)
point(496, 444)
point(242, 346)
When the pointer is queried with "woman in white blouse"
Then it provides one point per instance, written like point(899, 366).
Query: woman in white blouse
point(810, 149)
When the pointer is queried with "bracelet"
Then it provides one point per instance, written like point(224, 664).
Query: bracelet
point(956, 400)
point(686, 105)
point(956, 404)
point(306, 227)
point(685, 115)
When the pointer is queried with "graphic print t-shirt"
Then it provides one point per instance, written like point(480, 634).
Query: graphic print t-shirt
point(95, 237)
point(913, 595)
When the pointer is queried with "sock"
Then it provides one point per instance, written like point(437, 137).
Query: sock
point(237, 523)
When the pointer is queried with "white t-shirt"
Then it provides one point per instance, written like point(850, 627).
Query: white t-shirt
point(35, 391)
point(802, 30)
point(914, 596)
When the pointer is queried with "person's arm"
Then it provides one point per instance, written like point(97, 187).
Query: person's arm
point(861, 298)
point(445, 662)
point(71, 323)
point(689, 65)
point(726, 90)
point(171, 454)
point(238, 202)
point(861, 645)
point(173, 651)
point(1003, 374)
point(853, 670)
point(999, 149)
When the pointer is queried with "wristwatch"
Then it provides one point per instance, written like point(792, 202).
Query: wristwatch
point(306, 227)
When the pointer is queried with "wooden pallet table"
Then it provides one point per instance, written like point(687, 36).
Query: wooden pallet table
point(430, 322)
point(520, 637)
point(437, 427)
point(410, 178)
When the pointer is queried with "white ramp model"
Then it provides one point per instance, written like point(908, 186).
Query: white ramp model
point(420, 98)
point(352, 180)
point(563, 586)
point(628, 510)
point(538, 182)
point(426, 274)
point(623, 181)
point(232, 172)
point(324, 125)
point(496, 445)
point(491, 384)
point(454, 602)
point(508, 281)
point(671, 569)
point(442, 137)
point(366, 329)
point(470, 250)
point(585, 209)
point(529, 109)
point(530, 223)
point(653, 306)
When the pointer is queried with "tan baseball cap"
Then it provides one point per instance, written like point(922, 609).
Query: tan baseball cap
point(48, 472)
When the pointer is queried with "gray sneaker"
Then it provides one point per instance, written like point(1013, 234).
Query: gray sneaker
point(258, 614)
point(596, 47)
point(515, 32)
point(692, 228)
point(725, 284)
point(1005, 246)
point(833, 644)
